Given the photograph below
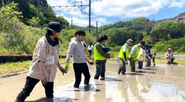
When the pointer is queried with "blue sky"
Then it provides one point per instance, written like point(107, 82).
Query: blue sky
point(111, 11)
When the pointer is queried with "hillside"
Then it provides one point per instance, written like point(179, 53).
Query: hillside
point(37, 11)
point(147, 30)
point(19, 35)
point(180, 17)
point(23, 24)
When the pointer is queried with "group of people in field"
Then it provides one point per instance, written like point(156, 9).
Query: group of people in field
point(138, 53)
point(46, 59)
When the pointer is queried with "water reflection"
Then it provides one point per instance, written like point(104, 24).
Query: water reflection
point(163, 83)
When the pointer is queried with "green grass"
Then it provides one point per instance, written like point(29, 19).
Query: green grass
point(175, 53)
point(163, 61)
point(14, 67)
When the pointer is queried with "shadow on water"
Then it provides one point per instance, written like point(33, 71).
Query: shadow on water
point(149, 69)
point(56, 99)
point(174, 63)
point(145, 72)
point(90, 88)
point(139, 74)
point(98, 84)
point(111, 79)
point(86, 88)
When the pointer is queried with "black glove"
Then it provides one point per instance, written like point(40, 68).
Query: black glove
point(106, 50)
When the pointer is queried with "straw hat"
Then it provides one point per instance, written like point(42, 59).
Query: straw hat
point(169, 49)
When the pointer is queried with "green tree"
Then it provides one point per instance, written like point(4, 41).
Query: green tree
point(167, 30)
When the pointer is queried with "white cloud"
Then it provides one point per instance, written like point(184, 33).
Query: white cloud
point(117, 8)
point(178, 4)
point(78, 21)
point(85, 22)
point(132, 8)
point(79, 14)
point(57, 2)
point(101, 21)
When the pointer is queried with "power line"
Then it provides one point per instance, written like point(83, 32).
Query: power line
point(77, 6)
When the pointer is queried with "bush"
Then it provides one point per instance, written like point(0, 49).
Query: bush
point(116, 48)
point(16, 37)
point(175, 44)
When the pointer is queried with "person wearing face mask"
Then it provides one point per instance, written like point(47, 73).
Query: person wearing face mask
point(44, 63)
point(77, 51)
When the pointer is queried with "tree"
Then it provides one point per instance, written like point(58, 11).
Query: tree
point(167, 30)
point(37, 9)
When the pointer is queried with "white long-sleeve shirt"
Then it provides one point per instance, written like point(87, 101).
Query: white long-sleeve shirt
point(76, 50)
point(169, 55)
point(90, 47)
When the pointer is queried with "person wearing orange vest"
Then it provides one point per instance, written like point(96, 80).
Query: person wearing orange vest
point(134, 54)
point(100, 56)
point(123, 56)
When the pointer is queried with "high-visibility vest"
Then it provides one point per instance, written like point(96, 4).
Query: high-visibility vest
point(135, 55)
point(97, 55)
point(121, 55)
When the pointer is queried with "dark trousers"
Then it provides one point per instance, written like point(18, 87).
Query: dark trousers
point(132, 65)
point(170, 60)
point(153, 59)
point(140, 64)
point(100, 69)
point(29, 85)
point(80, 68)
point(122, 66)
point(90, 52)
point(148, 62)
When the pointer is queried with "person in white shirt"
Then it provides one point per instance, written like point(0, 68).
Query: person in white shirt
point(169, 56)
point(90, 50)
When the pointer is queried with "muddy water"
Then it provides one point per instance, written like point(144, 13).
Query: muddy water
point(162, 83)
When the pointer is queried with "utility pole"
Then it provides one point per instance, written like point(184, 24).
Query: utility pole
point(97, 29)
point(89, 16)
point(78, 6)
point(71, 24)
point(2, 3)
point(38, 8)
point(38, 15)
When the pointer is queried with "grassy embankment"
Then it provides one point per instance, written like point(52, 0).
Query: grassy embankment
point(8, 68)
point(15, 67)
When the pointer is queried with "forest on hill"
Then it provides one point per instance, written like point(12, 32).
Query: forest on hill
point(36, 10)
point(23, 22)
point(20, 29)
point(160, 35)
